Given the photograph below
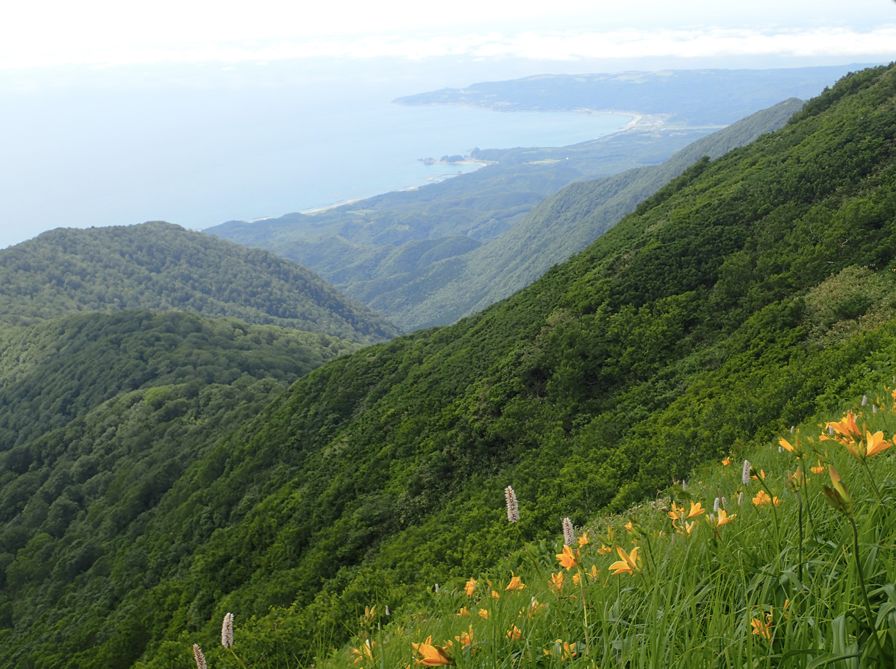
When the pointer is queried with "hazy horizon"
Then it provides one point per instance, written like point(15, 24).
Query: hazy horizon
point(89, 93)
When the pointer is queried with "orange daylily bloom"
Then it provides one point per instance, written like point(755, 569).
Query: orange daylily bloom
point(567, 558)
point(484, 614)
point(363, 653)
point(470, 587)
point(762, 499)
point(516, 583)
point(577, 578)
point(628, 562)
point(696, 510)
point(583, 540)
point(689, 527)
point(514, 633)
point(723, 518)
point(726, 461)
point(760, 475)
point(604, 550)
point(431, 655)
point(875, 443)
point(465, 639)
point(629, 527)
point(593, 573)
point(846, 426)
point(763, 628)
point(676, 512)
point(786, 445)
point(463, 612)
point(496, 594)
point(556, 582)
point(817, 469)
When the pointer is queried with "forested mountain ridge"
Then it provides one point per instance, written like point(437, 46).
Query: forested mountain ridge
point(162, 266)
point(556, 229)
point(56, 370)
point(740, 298)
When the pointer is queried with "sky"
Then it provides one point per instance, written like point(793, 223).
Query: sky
point(49, 33)
point(86, 87)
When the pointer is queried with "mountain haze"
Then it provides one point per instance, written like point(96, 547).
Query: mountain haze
point(689, 96)
point(734, 302)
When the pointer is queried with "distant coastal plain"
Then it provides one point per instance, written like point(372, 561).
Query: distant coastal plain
point(229, 152)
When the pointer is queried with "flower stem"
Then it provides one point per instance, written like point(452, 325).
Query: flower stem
point(868, 612)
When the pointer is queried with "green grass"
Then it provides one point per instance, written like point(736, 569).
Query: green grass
point(693, 598)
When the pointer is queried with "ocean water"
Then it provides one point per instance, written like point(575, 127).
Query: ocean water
point(202, 151)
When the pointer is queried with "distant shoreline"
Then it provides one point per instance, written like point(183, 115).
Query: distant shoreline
point(637, 121)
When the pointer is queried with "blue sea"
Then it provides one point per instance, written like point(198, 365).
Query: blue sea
point(126, 146)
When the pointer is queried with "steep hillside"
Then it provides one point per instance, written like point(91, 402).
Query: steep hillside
point(744, 296)
point(101, 413)
point(431, 256)
point(161, 266)
point(373, 247)
point(559, 227)
point(56, 370)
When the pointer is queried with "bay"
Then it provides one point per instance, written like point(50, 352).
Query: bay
point(211, 149)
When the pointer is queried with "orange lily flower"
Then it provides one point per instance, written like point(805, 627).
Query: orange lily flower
point(763, 628)
point(470, 587)
point(516, 583)
point(762, 498)
point(726, 461)
point(465, 639)
point(696, 510)
point(431, 655)
point(583, 540)
point(786, 445)
point(514, 633)
point(567, 558)
point(556, 582)
point(875, 443)
point(723, 518)
point(484, 614)
point(628, 562)
point(363, 653)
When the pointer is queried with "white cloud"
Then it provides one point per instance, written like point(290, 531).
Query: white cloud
point(89, 32)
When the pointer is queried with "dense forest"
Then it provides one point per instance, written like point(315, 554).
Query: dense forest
point(748, 294)
point(161, 266)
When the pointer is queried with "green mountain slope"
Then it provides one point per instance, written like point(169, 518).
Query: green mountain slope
point(162, 266)
point(739, 299)
point(432, 256)
point(101, 413)
point(559, 227)
point(372, 248)
point(59, 369)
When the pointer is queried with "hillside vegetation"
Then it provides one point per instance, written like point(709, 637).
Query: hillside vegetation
point(559, 227)
point(374, 249)
point(780, 555)
point(751, 293)
point(162, 266)
point(431, 256)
